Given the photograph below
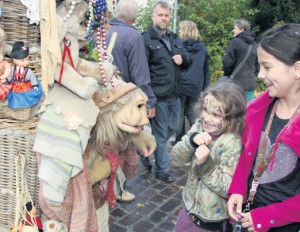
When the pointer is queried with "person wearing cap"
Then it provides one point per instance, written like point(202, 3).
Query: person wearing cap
point(26, 89)
point(130, 57)
point(120, 121)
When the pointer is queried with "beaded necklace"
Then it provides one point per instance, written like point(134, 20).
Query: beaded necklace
point(70, 12)
point(97, 19)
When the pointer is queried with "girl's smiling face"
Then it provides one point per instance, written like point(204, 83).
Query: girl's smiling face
point(277, 76)
point(212, 115)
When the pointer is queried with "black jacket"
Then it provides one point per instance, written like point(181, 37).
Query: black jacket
point(196, 77)
point(235, 52)
point(164, 73)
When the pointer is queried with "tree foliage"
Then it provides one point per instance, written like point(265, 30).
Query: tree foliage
point(215, 21)
point(272, 12)
point(144, 21)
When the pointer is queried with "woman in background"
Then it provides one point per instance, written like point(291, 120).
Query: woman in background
point(195, 78)
point(234, 55)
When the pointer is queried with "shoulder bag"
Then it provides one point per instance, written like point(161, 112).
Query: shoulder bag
point(226, 78)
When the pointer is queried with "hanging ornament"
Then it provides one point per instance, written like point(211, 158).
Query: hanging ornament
point(96, 19)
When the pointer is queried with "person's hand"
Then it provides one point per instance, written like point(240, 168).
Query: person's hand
point(234, 206)
point(201, 153)
point(151, 112)
point(2, 79)
point(247, 221)
point(177, 59)
point(202, 138)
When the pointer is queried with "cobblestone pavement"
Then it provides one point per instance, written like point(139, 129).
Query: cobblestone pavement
point(156, 205)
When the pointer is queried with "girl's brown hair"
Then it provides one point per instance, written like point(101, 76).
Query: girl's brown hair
point(234, 104)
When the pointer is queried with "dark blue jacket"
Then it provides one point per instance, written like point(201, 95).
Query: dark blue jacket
point(129, 56)
point(196, 77)
point(164, 73)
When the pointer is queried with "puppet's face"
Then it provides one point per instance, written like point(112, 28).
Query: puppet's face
point(75, 23)
point(133, 116)
point(22, 62)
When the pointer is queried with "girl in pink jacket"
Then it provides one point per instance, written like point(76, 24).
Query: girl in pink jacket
point(265, 190)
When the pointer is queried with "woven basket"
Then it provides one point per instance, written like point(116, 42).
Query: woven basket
point(17, 129)
point(16, 138)
point(16, 25)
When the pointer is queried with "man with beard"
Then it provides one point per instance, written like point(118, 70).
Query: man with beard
point(165, 56)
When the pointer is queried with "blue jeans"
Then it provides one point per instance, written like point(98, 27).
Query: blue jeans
point(188, 110)
point(249, 95)
point(163, 126)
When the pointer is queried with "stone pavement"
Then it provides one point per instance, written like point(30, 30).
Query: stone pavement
point(156, 205)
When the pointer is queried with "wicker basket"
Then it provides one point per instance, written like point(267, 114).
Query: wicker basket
point(17, 132)
point(16, 25)
point(16, 138)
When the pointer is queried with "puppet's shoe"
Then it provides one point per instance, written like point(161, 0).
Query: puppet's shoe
point(146, 163)
point(126, 197)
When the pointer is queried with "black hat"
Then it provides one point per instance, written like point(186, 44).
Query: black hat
point(19, 51)
point(29, 205)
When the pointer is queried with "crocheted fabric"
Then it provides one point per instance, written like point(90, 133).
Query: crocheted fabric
point(33, 10)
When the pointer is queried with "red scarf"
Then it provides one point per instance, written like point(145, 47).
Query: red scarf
point(113, 159)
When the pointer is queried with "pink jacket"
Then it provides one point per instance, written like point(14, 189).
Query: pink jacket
point(274, 215)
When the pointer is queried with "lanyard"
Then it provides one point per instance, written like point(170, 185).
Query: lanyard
point(262, 160)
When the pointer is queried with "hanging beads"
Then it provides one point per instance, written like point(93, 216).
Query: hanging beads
point(70, 12)
point(96, 18)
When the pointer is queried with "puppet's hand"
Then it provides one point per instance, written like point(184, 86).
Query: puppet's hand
point(36, 88)
point(146, 142)
point(3, 80)
point(100, 170)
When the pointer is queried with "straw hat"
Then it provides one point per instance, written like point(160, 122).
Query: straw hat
point(109, 96)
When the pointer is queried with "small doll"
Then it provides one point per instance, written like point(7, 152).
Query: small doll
point(26, 89)
point(32, 220)
point(5, 70)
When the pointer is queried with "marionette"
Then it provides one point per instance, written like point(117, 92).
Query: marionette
point(5, 68)
point(26, 89)
point(32, 222)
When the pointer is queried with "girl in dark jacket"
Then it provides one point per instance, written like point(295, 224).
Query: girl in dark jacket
point(195, 78)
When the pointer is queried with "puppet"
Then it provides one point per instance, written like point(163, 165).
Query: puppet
point(121, 120)
point(26, 89)
point(66, 178)
point(5, 70)
point(33, 222)
point(60, 51)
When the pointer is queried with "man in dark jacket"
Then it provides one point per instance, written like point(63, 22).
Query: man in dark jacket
point(235, 53)
point(165, 55)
